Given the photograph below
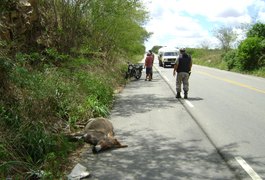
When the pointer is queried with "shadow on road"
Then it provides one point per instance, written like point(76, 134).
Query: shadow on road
point(141, 96)
point(195, 99)
point(142, 103)
point(160, 158)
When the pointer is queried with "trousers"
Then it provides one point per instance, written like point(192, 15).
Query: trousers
point(182, 78)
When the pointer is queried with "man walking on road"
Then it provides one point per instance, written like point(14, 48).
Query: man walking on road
point(182, 67)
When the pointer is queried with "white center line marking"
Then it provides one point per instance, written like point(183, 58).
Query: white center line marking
point(248, 169)
point(189, 103)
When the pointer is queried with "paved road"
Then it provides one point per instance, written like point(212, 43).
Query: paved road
point(164, 140)
point(230, 108)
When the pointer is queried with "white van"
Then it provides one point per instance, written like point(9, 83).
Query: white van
point(167, 56)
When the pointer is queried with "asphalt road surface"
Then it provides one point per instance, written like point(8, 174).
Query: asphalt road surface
point(230, 109)
point(216, 134)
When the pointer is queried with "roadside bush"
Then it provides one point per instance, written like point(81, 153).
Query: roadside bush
point(29, 147)
point(8, 123)
point(249, 52)
point(230, 58)
point(257, 30)
point(28, 124)
point(37, 60)
point(5, 68)
point(261, 60)
point(206, 57)
point(98, 109)
point(196, 53)
point(53, 56)
point(46, 100)
point(99, 93)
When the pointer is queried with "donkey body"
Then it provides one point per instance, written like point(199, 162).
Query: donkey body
point(100, 133)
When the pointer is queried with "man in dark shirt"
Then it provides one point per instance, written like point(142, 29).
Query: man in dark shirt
point(182, 67)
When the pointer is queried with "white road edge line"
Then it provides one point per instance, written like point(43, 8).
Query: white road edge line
point(189, 103)
point(158, 70)
point(166, 78)
point(248, 169)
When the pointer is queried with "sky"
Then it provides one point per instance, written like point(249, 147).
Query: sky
point(191, 23)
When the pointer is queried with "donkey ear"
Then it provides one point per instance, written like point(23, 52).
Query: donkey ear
point(123, 146)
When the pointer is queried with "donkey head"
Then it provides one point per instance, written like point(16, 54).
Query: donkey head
point(109, 142)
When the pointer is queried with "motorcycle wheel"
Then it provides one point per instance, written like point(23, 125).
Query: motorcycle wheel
point(138, 75)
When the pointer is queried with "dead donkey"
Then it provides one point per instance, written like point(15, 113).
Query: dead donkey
point(99, 132)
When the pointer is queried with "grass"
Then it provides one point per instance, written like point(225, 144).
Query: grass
point(214, 58)
point(43, 97)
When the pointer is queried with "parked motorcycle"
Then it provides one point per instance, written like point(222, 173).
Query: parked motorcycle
point(134, 70)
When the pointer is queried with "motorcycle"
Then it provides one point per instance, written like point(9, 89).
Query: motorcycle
point(134, 70)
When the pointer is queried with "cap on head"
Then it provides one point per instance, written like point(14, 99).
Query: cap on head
point(182, 50)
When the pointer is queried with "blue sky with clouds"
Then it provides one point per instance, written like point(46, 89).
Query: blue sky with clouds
point(190, 23)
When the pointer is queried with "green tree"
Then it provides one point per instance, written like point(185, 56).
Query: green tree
point(66, 25)
point(116, 26)
point(249, 53)
point(257, 30)
point(226, 35)
point(230, 58)
point(156, 48)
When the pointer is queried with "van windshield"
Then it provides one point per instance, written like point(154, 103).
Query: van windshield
point(170, 54)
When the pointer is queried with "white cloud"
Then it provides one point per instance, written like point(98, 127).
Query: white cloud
point(261, 17)
point(188, 23)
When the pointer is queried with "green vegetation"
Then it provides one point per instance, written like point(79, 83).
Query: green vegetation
point(207, 57)
point(217, 58)
point(248, 58)
point(60, 62)
point(58, 72)
point(40, 102)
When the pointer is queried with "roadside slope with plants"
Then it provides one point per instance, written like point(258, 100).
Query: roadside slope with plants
point(60, 63)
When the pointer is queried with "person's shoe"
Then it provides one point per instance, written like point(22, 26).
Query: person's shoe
point(178, 95)
point(185, 95)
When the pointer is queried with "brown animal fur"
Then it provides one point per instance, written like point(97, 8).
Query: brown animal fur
point(99, 132)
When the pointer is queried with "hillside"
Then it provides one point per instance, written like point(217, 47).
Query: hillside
point(60, 64)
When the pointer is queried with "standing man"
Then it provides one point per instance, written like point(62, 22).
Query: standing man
point(148, 65)
point(182, 67)
point(153, 56)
